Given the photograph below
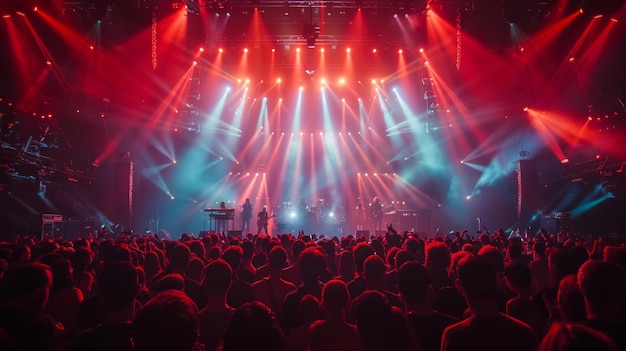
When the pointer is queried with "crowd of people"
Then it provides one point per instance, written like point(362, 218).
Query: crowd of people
point(307, 292)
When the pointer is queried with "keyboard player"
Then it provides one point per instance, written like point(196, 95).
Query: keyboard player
point(221, 223)
point(220, 217)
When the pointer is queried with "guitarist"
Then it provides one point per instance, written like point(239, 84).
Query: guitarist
point(262, 219)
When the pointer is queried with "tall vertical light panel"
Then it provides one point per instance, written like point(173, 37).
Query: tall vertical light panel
point(123, 197)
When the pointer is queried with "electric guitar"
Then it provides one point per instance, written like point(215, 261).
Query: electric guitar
point(262, 222)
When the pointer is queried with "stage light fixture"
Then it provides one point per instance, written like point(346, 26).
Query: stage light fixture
point(311, 32)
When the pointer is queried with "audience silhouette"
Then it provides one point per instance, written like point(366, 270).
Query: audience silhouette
point(393, 292)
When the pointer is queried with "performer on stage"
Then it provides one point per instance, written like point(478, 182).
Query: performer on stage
point(246, 216)
point(221, 224)
point(262, 219)
point(377, 213)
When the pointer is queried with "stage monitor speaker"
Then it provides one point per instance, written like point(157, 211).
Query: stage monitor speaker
point(363, 234)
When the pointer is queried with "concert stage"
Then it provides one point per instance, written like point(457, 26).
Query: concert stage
point(144, 114)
